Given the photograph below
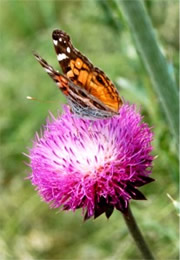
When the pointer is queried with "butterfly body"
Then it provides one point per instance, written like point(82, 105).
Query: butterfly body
point(89, 92)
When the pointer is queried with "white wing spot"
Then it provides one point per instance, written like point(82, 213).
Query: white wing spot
point(55, 42)
point(60, 39)
point(64, 41)
point(68, 49)
point(62, 56)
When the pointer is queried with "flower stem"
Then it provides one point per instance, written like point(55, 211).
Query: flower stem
point(137, 235)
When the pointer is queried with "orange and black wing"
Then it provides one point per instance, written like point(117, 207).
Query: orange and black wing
point(81, 102)
point(82, 72)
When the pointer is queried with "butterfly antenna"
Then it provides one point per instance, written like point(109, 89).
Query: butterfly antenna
point(36, 99)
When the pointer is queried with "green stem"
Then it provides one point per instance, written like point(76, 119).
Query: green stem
point(153, 59)
point(136, 234)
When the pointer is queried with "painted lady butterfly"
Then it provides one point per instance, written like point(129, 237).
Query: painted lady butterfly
point(89, 92)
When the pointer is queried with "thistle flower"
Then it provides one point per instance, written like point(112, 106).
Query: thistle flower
point(93, 165)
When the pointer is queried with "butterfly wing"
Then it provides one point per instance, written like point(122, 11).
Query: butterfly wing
point(60, 80)
point(82, 103)
point(82, 72)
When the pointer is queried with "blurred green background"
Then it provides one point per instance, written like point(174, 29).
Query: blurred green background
point(29, 229)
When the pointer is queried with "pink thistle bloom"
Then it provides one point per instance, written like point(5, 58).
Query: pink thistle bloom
point(93, 165)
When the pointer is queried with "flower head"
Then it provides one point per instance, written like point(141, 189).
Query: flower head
point(93, 165)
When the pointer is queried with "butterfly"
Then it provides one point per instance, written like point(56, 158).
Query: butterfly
point(90, 93)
